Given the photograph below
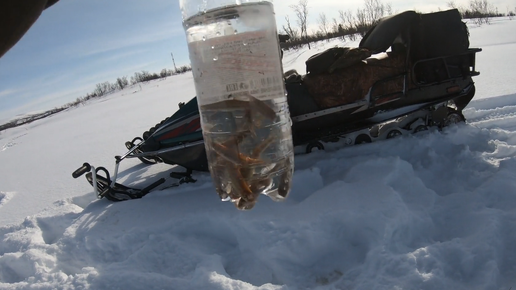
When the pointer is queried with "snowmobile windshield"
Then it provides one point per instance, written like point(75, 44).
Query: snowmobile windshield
point(424, 35)
point(381, 36)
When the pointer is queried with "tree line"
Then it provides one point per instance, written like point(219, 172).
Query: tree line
point(106, 88)
point(480, 11)
point(354, 24)
point(351, 24)
point(101, 89)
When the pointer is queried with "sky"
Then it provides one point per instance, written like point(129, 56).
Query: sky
point(76, 44)
point(432, 210)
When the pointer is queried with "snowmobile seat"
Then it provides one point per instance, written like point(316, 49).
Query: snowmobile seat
point(353, 83)
point(388, 60)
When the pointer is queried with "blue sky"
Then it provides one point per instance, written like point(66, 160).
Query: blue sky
point(76, 44)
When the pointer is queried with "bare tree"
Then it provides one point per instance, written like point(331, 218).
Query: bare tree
point(348, 24)
point(291, 32)
point(451, 4)
point(482, 11)
point(361, 23)
point(301, 10)
point(163, 73)
point(388, 9)
point(99, 90)
point(134, 80)
point(335, 25)
point(348, 20)
point(122, 83)
point(104, 88)
point(374, 10)
point(323, 24)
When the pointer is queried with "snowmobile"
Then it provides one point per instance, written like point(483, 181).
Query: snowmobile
point(410, 71)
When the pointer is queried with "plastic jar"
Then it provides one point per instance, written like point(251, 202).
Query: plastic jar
point(235, 58)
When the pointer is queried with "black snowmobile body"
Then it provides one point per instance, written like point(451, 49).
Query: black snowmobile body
point(181, 132)
point(429, 63)
point(406, 63)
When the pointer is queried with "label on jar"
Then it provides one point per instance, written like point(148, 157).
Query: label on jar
point(235, 65)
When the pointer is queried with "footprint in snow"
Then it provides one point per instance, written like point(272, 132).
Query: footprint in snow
point(8, 145)
point(11, 143)
point(5, 197)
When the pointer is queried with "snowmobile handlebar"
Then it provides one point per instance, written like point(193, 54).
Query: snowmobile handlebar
point(86, 167)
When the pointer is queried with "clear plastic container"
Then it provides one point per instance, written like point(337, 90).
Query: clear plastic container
point(235, 57)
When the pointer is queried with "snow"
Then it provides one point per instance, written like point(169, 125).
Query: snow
point(435, 210)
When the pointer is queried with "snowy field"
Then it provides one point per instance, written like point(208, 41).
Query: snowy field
point(436, 210)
